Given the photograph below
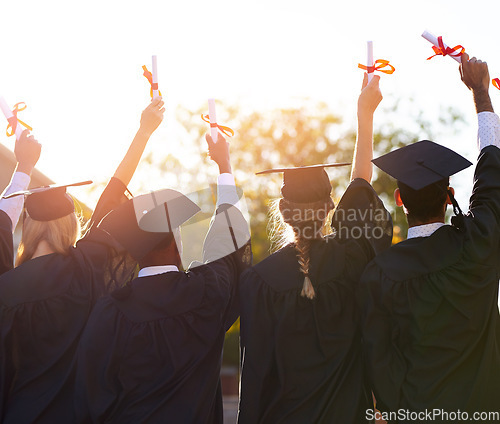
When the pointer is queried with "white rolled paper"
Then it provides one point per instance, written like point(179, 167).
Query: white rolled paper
point(431, 38)
point(154, 73)
point(369, 60)
point(213, 119)
point(7, 111)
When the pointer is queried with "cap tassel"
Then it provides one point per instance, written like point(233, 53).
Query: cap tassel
point(458, 219)
point(308, 289)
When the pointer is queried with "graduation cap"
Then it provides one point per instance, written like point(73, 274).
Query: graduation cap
point(48, 202)
point(141, 223)
point(305, 184)
point(421, 164)
point(424, 163)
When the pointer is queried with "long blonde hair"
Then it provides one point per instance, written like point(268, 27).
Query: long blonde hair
point(60, 234)
point(286, 227)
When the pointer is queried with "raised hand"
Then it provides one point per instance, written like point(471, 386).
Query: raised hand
point(219, 153)
point(370, 96)
point(475, 75)
point(27, 151)
point(152, 116)
point(150, 120)
point(368, 101)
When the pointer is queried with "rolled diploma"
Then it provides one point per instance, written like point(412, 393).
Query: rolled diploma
point(213, 119)
point(7, 111)
point(431, 38)
point(369, 61)
point(156, 93)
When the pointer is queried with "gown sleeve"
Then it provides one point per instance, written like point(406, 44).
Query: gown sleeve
point(482, 223)
point(384, 361)
point(227, 247)
point(257, 340)
point(98, 368)
point(361, 215)
point(6, 244)
point(97, 249)
point(14, 205)
point(10, 210)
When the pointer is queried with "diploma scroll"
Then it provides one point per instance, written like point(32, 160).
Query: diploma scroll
point(13, 121)
point(154, 84)
point(213, 120)
point(369, 62)
point(431, 38)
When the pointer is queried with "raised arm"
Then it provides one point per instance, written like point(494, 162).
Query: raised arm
point(227, 244)
point(368, 101)
point(219, 153)
point(228, 229)
point(476, 77)
point(27, 151)
point(484, 218)
point(150, 120)
point(114, 193)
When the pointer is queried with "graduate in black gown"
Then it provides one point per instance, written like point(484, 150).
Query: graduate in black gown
point(431, 321)
point(46, 300)
point(152, 351)
point(300, 338)
point(27, 152)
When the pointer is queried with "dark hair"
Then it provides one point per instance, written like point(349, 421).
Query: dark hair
point(157, 255)
point(427, 203)
point(307, 221)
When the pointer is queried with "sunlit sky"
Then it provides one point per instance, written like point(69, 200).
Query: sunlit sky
point(78, 66)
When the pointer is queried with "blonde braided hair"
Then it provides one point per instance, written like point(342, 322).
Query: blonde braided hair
point(288, 215)
point(303, 246)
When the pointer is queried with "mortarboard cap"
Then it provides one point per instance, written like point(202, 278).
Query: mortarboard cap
point(421, 164)
point(49, 202)
point(141, 223)
point(305, 184)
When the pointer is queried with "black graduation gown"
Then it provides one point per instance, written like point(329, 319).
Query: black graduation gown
point(44, 306)
point(302, 359)
point(152, 351)
point(431, 321)
point(6, 244)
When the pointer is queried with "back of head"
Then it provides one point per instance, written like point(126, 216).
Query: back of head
point(426, 204)
point(305, 206)
point(60, 234)
point(164, 253)
point(307, 220)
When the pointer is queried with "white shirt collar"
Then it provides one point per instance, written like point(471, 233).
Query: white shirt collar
point(154, 270)
point(423, 230)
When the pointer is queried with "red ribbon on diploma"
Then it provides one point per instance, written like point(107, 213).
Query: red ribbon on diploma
point(228, 132)
point(379, 65)
point(11, 128)
point(149, 76)
point(496, 83)
point(441, 51)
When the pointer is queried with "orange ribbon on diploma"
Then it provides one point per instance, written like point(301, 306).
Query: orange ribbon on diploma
point(379, 65)
point(496, 83)
point(228, 132)
point(14, 120)
point(442, 50)
point(149, 77)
